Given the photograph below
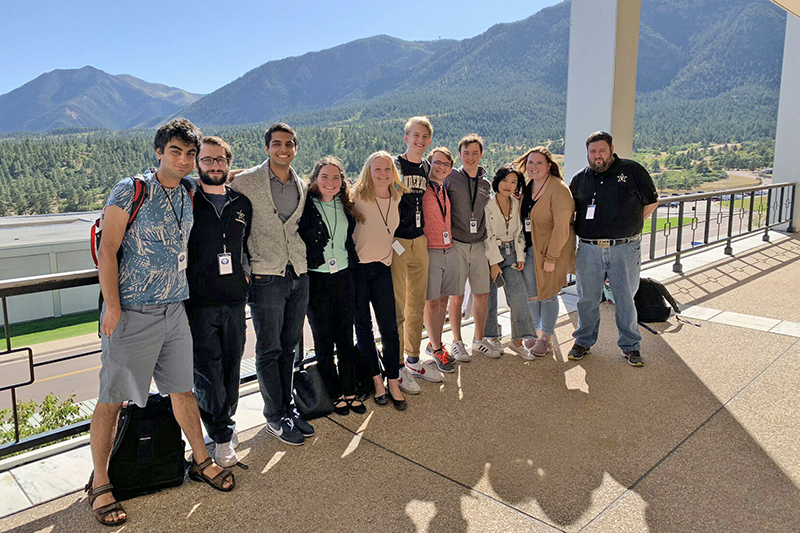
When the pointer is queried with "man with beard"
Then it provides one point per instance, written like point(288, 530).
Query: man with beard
point(218, 275)
point(613, 197)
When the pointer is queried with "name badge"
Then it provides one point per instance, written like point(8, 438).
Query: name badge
point(225, 264)
point(590, 212)
point(527, 225)
point(333, 265)
point(473, 225)
point(446, 237)
point(398, 248)
point(419, 219)
point(182, 260)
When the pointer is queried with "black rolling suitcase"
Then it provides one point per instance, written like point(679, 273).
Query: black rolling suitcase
point(148, 452)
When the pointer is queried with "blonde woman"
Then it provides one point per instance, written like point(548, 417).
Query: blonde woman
point(547, 209)
point(376, 197)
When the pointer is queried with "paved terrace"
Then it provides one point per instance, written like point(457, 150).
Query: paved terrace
point(704, 437)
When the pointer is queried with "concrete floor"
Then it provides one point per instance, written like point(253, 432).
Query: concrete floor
point(704, 437)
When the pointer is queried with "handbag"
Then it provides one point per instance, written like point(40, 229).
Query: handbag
point(309, 392)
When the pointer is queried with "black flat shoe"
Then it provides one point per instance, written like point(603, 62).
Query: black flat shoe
point(400, 405)
point(360, 408)
point(341, 406)
point(383, 399)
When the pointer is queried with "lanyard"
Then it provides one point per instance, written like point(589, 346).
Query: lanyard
point(539, 193)
point(178, 221)
point(442, 207)
point(506, 219)
point(473, 195)
point(335, 218)
point(385, 218)
point(219, 216)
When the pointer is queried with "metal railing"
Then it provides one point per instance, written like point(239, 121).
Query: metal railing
point(713, 221)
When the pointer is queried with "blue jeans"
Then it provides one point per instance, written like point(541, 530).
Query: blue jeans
point(278, 307)
point(621, 264)
point(543, 313)
point(521, 323)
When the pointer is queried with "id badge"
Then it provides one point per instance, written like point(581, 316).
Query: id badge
point(333, 265)
point(590, 212)
point(398, 248)
point(527, 225)
point(419, 219)
point(473, 225)
point(225, 264)
point(446, 237)
point(182, 260)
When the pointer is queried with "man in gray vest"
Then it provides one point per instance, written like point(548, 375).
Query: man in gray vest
point(279, 283)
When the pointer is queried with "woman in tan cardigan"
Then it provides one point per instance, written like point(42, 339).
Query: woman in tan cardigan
point(547, 211)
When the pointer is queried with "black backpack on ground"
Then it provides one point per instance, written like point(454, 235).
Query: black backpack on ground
point(148, 453)
point(651, 301)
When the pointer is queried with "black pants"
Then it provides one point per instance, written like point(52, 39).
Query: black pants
point(374, 285)
point(330, 314)
point(218, 334)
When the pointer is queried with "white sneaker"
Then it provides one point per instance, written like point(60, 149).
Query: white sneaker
point(523, 352)
point(459, 352)
point(485, 347)
point(426, 370)
point(406, 382)
point(497, 346)
point(225, 455)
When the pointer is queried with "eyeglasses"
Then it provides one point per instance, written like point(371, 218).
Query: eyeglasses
point(443, 163)
point(221, 161)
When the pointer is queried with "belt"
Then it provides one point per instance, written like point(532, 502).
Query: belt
point(606, 243)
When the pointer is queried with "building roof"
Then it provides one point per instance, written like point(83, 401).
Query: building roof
point(38, 230)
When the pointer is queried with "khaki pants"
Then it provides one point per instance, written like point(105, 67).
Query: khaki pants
point(410, 279)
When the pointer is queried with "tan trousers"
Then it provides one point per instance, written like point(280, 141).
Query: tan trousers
point(410, 279)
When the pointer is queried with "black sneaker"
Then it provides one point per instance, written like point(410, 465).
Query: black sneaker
point(577, 352)
point(285, 431)
point(305, 428)
point(634, 358)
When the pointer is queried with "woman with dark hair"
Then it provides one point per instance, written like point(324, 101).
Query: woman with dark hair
point(327, 227)
point(505, 250)
point(376, 198)
point(547, 212)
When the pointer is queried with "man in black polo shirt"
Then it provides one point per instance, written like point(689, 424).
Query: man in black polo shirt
point(613, 197)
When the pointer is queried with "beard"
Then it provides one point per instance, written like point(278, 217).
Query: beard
point(212, 181)
point(601, 167)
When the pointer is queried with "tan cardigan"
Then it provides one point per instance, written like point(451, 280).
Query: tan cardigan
point(553, 237)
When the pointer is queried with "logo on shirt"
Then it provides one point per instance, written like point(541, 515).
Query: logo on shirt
point(622, 178)
point(240, 217)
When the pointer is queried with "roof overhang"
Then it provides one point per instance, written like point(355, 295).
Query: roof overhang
point(792, 6)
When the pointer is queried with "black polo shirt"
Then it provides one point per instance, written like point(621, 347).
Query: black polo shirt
point(619, 195)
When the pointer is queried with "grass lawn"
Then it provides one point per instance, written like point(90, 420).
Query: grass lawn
point(661, 222)
point(744, 203)
point(50, 329)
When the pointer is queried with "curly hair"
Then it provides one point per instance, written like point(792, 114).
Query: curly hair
point(344, 191)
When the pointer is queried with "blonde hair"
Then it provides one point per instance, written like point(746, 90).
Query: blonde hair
point(423, 121)
point(520, 162)
point(364, 188)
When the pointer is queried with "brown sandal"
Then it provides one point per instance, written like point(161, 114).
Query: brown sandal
point(218, 481)
point(101, 513)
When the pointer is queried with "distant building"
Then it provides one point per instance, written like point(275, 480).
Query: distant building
point(47, 244)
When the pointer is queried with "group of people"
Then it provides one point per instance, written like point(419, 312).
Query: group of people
point(405, 237)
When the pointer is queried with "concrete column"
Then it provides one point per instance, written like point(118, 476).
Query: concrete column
point(787, 134)
point(601, 82)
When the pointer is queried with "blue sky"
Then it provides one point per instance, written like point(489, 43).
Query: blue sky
point(200, 46)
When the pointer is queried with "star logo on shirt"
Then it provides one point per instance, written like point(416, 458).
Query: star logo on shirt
point(622, 178)
point(240, 217)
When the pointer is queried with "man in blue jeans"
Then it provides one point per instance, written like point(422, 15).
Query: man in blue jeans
point(279, 283)
point(613, 197)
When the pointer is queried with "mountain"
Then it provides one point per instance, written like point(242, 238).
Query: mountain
point(718, 57)
point(88, 98)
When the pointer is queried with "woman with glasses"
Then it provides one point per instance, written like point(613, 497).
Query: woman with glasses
point(376, 197)
point(327, 227)
point(547, 212)
point(443, 262)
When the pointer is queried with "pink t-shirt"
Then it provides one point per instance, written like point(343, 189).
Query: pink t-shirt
point(436, 222)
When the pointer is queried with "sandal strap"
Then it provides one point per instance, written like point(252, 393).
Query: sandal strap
point(99, 491)
point(110, 508)
point(202, 466)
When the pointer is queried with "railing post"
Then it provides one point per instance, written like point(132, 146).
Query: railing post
point(765, 238)
point(14, 411)
point(708, 221)
point(792, 222)
point(752, 206)
point(653, 225)
point(678, 267)
point(728, 247)
point(5, 324)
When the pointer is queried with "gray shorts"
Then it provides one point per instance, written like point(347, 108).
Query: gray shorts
point(472, 266)
point(151, 341)
point(442, 273)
